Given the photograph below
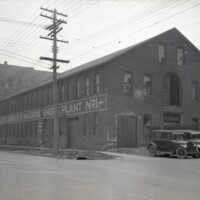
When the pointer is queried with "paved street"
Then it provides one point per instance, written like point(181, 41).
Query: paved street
point(130, 177)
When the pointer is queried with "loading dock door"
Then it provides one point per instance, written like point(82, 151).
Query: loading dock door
point(126, 131)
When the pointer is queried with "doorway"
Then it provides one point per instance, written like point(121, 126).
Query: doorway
point(72, 132)
point(127, 131)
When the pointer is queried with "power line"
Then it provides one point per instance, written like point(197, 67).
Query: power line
point(20, 22)
point(22, 60)
point(146, 27)
point(126, 23)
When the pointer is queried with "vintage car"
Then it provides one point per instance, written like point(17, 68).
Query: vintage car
point(181, 143)
point(191, 135)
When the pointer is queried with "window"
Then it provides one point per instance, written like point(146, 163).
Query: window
point(29, 101)
point(34, 128)
point(86, 124)
point(34, 100)
point(21, 103)
point(97, 84)
point(195, 123)
point(147, 84)
point(128, 79)
point(96, 123)
point(172, 120)
point(25, 104)
point(161, 53)
point(50, 100)
point(69, 91)
point(194, 91)
point(172, 90)
point(62, 93)
point(78, 89)
point(147, 124)
point(180, 56)
point(28, 129)
point(87, 86)
point(62, 125)
point(44, 97)
point(39, 98)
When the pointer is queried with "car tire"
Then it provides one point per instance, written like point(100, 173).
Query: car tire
point(152, 151)
point(181, 152)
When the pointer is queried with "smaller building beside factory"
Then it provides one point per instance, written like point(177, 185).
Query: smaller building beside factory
point(117, 99)
point(13, 78)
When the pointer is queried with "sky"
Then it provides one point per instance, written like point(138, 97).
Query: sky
point(94, 28)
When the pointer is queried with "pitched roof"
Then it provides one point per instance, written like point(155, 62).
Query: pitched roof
point(106, 59)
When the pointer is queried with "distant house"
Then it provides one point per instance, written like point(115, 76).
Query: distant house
point(116, 99)
point(14, 78)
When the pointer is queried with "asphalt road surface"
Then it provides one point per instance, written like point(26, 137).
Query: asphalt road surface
point(130, 177)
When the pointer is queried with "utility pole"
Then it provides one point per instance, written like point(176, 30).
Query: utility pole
point(54, 28)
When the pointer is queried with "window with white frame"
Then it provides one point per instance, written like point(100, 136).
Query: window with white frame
point(128, 79)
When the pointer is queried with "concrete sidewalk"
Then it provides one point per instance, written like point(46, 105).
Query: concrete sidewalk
point(75, 153)
point(131, 151)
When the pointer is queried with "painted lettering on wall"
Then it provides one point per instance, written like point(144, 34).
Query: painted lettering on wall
point(92, 104)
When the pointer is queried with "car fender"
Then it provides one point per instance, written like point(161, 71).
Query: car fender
point(152, 143)
point(183, 146)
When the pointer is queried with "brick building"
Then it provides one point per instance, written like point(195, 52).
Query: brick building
point(116, 99)
point(14, 78)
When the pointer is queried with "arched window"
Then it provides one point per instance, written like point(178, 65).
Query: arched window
point(172, 91)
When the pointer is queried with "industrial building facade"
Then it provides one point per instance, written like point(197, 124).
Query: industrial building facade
point(117, 99)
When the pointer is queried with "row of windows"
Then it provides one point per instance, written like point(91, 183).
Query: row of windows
point(25, 129)
point(86, 124)
point(44, 97)
point(147, 86)
point(128, 83)
point(162, 55)
point(29, 129)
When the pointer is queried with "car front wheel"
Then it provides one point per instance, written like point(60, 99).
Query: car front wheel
point(181, 152)
point(152, 150)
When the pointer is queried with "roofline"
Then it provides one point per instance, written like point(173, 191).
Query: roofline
point(112, 56)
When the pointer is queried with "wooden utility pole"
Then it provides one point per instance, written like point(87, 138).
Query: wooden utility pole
point(54, 28)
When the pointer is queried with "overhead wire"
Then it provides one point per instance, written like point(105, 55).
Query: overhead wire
point(29, 35)
point(20, 59)
point(146, 27)
point(25, 57)
point(90, 38)
point(125, 23)
point(120, 28)
point(20, 22)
